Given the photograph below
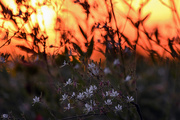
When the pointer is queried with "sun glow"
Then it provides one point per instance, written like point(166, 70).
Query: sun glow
point(49, 12)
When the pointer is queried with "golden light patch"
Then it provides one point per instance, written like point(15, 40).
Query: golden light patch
point(65, 14)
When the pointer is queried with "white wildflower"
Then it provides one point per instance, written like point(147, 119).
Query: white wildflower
point(80, 96)
point(130, 99)
point(118, 108)
point(107, 70)
point(76, 66)
point(128, 78)
point(36, 99)
point(5, 116)
point(69, 82)
point(114, 93)
point(68, 107)
point(107, 93)
point(88, 108)
point(116, 62)
point(88, 92)
point(73, 95)
point(64, 64)
point(93, 87)
point(95, 71)
point(64, 97)
point(91, 66)
point(108, 102)
point(92, 102)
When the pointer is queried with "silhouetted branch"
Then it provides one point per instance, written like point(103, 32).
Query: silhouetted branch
point(138, 110)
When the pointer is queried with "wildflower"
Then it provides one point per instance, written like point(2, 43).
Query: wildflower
point(107, 70)
point(64, 64)
point(73, 95)
point(5, 116)
point(88, 108)
point(64, 97)
point(68, 107)
point(93, 68)
point(118, 108)
point(36, 99)
point(80, 96)
point(116, 62)
point(93, 87)
point(93, 102)
point(130, 99)
point(76, 66)
point(88, 92)
point(108, 102)
point(128, 78)
point(95, 71)
point(107, 93)
point(69, 82)
point(114, 93)
point(2, 59)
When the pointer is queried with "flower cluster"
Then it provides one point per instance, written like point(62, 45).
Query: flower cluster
point(80, 96)
point(94, 97)
point(111, 93)
point(88, 93)
point(88, 108)
point(64, 97)
point(94, 70)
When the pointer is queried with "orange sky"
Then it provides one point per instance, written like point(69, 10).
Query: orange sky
point(71, 14)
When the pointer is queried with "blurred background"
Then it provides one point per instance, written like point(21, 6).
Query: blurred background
point(149, 32)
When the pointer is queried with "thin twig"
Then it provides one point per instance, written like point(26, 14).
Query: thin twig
point(117, 30)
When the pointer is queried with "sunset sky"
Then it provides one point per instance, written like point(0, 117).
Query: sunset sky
point(73, 14)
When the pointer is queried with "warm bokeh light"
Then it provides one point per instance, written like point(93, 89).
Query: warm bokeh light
point(72, 14)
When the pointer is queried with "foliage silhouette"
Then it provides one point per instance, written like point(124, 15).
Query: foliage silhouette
point(121, 74)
